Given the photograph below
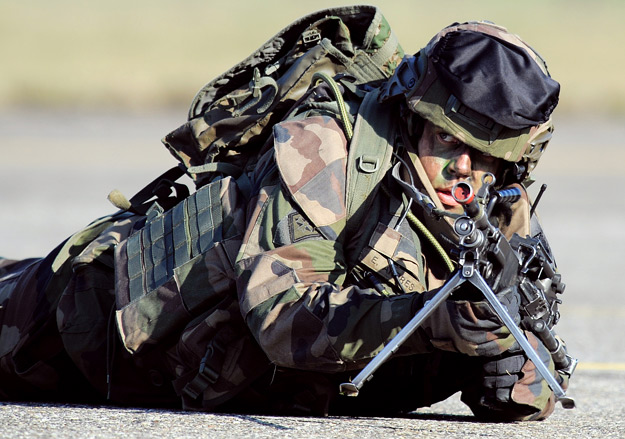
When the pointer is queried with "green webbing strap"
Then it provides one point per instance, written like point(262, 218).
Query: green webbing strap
point(369, 157)
point(386, 51)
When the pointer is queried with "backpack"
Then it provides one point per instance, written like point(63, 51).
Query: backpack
point(174, 277)
point(231, 117)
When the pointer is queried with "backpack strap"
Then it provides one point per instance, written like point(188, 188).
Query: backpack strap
point(369, 157)
point(161, 188)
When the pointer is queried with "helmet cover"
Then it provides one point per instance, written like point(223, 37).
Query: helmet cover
point(484, 86)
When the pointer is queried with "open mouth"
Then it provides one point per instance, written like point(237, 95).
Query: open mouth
point(446, 198)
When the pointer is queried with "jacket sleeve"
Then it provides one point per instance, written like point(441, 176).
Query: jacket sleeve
point(292, 283)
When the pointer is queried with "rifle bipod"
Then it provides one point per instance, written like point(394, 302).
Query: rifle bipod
point(465, 274)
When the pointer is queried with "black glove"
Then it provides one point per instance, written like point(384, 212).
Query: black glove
point(470, 326)
point(512, 389)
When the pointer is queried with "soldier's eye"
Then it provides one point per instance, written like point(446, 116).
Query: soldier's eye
point(448, 139)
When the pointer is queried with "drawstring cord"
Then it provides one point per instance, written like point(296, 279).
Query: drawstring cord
point(347, 126)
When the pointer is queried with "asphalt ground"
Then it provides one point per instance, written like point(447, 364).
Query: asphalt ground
point(57, 168)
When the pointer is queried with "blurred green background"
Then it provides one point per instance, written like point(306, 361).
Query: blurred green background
point(140, 55)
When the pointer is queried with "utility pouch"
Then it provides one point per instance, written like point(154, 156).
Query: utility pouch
point(178, 265)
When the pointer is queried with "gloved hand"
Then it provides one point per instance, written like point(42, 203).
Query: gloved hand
point(470, 325)
point(512, 389)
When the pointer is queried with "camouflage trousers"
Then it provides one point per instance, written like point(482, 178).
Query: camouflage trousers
point(43, 359)
point(32, 360)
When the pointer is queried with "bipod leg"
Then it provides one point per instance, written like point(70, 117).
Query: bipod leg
point(351, 388)
point(477, 280)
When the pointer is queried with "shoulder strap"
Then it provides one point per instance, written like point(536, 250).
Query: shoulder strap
point(369, 157)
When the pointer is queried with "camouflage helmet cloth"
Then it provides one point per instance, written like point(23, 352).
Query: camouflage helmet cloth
point(483, 85)
point(495, 78)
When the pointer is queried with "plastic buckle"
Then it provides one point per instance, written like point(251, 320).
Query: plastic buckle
point(214, 350)
point(207, 373)
point(311, 37)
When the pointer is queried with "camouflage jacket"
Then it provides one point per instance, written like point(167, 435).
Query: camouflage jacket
point(303, 284)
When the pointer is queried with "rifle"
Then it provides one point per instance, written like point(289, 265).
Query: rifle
point(489, 261)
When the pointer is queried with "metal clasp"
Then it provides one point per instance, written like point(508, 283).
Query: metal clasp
point(368, 164)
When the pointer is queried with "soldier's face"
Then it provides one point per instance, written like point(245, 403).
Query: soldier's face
point(447, 161)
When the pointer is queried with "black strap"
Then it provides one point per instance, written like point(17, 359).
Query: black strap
point(160, 188)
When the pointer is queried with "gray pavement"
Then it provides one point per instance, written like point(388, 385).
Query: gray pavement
point(57, 168)
point(600, 414)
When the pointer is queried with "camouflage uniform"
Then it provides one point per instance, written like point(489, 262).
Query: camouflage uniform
point(320, 292)
point(319, 299)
